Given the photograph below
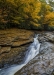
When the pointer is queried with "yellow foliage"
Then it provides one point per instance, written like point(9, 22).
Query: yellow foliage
point(49, 19)
point(31, 12)
point(35, 24)
point(48, 7)
point(49, 16)
point(37, 9)
point(26, 16)
point(51, 23)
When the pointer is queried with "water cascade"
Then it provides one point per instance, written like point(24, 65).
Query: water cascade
point(33, 51)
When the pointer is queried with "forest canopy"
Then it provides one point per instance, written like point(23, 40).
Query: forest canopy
point(27, 14)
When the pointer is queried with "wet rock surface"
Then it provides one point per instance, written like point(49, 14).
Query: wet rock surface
point(13, 45)
point(50, 36)
point(43, 63)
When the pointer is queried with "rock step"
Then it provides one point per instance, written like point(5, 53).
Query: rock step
point(21, 43)
point(17, 43)
point(4, 50)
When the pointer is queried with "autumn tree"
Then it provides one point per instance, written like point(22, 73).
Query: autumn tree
point(49, 20)
point(28, 14)
point(45, 9)
point(31, 13)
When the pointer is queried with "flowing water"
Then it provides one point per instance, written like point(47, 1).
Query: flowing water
point(33, 51)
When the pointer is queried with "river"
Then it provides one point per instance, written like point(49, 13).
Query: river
point(33, 50)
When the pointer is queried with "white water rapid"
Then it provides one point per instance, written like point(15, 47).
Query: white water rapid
point(33, 51)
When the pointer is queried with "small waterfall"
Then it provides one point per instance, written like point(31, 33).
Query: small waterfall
point(33, 51)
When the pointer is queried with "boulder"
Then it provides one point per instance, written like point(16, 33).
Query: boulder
point(50, 37)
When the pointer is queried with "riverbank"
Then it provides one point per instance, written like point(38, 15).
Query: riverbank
point(13, 44)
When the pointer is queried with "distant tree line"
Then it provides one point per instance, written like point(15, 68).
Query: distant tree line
point(27, 14)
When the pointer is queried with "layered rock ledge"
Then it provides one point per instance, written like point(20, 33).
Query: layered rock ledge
point(13, 44)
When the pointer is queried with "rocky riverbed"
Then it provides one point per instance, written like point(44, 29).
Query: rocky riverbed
point(42, 64)
point(14, 44)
